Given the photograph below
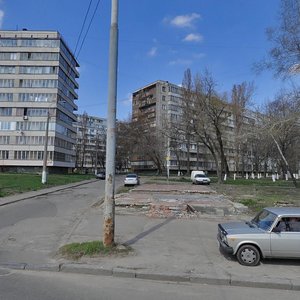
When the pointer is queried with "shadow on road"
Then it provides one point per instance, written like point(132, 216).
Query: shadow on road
point(145, 233)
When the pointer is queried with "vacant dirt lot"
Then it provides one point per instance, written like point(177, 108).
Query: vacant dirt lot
point(180, 200)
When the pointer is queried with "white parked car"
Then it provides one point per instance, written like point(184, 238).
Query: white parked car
point(196, 172)
point(201, 179)
point(131, 179)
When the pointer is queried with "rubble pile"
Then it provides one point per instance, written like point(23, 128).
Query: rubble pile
point(166, 211)
point(184, 201)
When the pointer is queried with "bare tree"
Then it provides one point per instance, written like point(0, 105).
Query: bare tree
point(176, 139)
point(148, 143)
point(240, 99)
point(211, 119)
point(126, 144)
point(284, 56)
point(99, 151)
point(281, 123)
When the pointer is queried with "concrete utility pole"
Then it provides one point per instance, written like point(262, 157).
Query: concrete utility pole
point(109, 202)
point(44, 173)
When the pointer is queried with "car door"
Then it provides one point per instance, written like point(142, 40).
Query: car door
point(286, 243)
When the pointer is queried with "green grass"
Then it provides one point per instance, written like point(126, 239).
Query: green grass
point(254, 193)
point(11, 183)
point(91, 249)
point(259, 182)
point(258, 194)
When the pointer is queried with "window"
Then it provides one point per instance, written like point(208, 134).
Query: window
point(22, 155)
point(39, 43)
point(8, 56)
point(4, 140)
point(6, 83)
point(5, 125)
point(6, 97)
point(8, 42)
point(38, 83)
point(4, 154)
point(7, 70)
point(37, 70)
point(39, 56)
point(289, 224)
point(37, 97)
point(5, 111)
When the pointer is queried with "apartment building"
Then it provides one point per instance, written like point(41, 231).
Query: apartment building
point(90, 146)
point(38, 74)
point(160, 105)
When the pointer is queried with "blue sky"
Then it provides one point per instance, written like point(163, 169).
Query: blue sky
point(158, 39)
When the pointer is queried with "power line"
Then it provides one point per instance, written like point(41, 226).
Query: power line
point(82, 26)
point(82, 43)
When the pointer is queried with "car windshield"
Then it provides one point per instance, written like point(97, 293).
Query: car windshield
point(200, 175)
point(264, 219)
point(131, 176)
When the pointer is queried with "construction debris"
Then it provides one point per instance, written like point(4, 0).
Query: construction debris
point(175, 200)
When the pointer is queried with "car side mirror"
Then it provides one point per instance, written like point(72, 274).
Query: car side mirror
point(276, 229)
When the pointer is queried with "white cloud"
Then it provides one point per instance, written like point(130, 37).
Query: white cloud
point(185, 20)
point(180, 62)
point(193, 37)
point(1, 17)
point(152, 52)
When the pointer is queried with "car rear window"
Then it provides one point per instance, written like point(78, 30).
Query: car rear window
point(131, 176)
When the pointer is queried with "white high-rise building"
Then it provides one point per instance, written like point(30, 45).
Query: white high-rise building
point(38, 74)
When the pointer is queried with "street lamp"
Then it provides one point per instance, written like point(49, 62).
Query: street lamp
point(45, 156)
point(44, 172)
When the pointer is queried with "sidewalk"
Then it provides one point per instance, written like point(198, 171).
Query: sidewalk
point(171, 249)
point(28, 195)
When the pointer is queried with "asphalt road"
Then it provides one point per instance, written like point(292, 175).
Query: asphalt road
point(45, 219)
point(53, 286)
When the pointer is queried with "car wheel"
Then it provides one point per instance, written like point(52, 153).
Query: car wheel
point(248, 255)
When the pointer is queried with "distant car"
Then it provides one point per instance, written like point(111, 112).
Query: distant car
point(196, 172)
point(201, 179)
point(100, 175)
point(131, 179)
point(273, 232)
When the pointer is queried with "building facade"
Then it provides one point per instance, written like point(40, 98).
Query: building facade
point(90, 146)
point(160, 106)
point(38, 74)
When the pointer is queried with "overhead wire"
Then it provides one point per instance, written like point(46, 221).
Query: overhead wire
point(89, 26)
point(83, 25)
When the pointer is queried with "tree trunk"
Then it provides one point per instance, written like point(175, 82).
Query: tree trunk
point(285, 161)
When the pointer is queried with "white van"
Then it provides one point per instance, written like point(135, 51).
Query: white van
point(194, 173)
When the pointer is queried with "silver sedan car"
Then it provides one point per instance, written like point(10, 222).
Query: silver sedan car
point(273, 232)
point(131, 179)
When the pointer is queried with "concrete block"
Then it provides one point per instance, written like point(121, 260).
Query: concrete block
point(43, 267)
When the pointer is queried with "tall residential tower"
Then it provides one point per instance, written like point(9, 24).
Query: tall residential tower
point(38, 86)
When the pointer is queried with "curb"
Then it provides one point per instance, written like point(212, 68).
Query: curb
point(209, 279)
